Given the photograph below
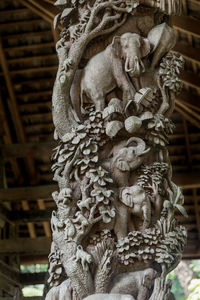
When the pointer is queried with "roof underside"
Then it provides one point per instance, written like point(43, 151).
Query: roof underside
point(28, 68)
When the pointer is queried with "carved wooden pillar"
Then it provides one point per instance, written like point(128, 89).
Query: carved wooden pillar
point(115, 235)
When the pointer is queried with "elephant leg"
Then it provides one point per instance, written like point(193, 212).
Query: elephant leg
point(146, 209)
point(143, 293)
point(99, 101)
point(121, 224)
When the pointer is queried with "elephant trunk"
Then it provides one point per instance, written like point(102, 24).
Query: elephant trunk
point(134, 66)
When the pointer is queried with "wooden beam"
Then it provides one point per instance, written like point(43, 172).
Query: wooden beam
point(186, 24)
point(34, 259)
point(22, 246)
point(14, 110)
point(9, 273)
point(187, 180)
point(28, 4)
point(32, 278)
point(46, 224)
point(191, 79)
point(29, 47)
point(35, 150)
point(196, 205)
point(27, 216)
point(187, 52)
point(28, 193)
point(189, 99)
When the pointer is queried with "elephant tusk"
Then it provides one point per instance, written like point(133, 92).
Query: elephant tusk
point(143, 67)
point(126, 67)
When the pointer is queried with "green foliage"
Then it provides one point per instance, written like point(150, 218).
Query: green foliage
point(177, 289)
point(194, 288)
point(34, 268)
point(33, 290)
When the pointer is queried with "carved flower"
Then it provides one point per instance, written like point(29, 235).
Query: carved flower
point(99, 175)
point(159, 128)
point(169, 71)
point(107, 213)
point(102, 195)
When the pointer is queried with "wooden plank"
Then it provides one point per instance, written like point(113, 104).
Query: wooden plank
point(27, 34)
point(36, 11)
point(36, 259)
point(34, 216)
point(187, 52)
point(196, 205)
point(34, 70)
point(28, 193)
point(189, 98)
point(35, 150)
point(22, 246)
point(29, 47)
point(32, 58)
point(186, 24)
point(191, 79)
point(32, 278)
point(46, 224)
point(9, 273)
point(187, 180)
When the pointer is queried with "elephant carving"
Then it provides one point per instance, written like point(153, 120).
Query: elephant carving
point(110, 69)
point(139, 204)
point(127, 159)
point(138, 284)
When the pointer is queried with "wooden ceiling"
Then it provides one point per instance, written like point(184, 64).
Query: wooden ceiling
point(28, 67)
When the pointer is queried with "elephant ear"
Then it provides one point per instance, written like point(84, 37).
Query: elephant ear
point(116, 45)
point(126, 197)
point(145, 47)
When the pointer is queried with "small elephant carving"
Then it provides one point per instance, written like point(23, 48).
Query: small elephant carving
point(110, 69)
point(133, 202)
point(138, 284)
point(139, 203)
point(127, 159)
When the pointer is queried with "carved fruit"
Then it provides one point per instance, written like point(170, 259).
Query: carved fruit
point(113, 127)
point(132, 124)
point(144, 96)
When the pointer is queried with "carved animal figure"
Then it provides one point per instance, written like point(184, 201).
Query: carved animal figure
point(81, 220)
point(84, 203)
point(70, 229)
point(83, 257)
point(136, 203)
point(109, 297)
point(127, 159)
point(138, 284)
point(110, 69)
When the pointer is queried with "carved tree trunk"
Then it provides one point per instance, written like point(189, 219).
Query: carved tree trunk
point(115, 235)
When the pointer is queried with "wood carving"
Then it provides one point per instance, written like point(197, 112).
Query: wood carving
point(115, 235)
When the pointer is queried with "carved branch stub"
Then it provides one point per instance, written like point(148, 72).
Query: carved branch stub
point(115, 235)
